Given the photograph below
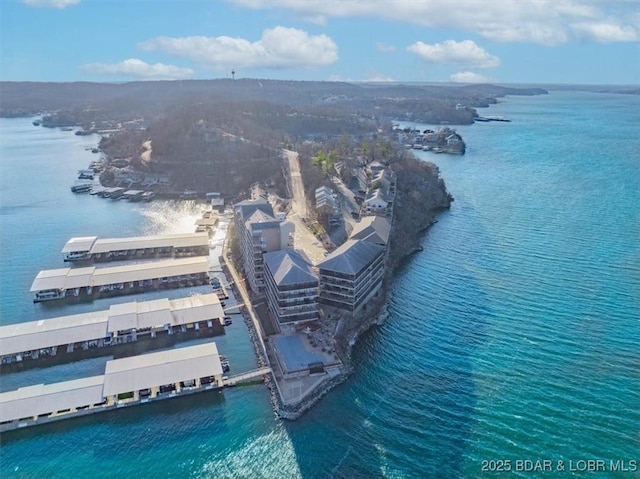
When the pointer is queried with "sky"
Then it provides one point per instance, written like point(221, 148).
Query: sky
point(496, 41)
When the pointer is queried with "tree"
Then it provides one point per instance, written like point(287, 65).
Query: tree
point(325, 162)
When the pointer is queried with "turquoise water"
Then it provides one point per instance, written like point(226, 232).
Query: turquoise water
point(515, 334)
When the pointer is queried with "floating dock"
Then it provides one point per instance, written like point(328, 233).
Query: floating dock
point(91, 248)
point(125, 382)
point(91, 283)
point(79, 336)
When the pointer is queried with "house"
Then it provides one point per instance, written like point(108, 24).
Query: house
point(351, 274)
point(375, 203)
point(291, 286)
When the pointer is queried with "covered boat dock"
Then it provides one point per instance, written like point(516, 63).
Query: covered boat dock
point(126, 382)
point(122, 323)
point(91, 283)
point(91, 248)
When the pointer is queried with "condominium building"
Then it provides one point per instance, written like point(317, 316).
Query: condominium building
point(351, 274)
point(291, 286)
point(259, 232)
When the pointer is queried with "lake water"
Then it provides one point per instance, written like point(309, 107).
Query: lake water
point(514, 335)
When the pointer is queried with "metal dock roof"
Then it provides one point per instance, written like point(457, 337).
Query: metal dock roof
point(39, 399)
point(163, 367)
point(94, 245)
point(46, 333)
point(68, 278)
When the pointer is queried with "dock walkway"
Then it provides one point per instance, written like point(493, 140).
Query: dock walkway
point(233, 380)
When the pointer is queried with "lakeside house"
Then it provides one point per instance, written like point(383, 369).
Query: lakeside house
point(291, 286)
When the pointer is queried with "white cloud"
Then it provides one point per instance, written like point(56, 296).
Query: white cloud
point(451, 52)
point(51, 3)
point(605, 32)
point(384, 47)
point(468, 77)
point(546, 22)
point(134, 67)
point(279, 47)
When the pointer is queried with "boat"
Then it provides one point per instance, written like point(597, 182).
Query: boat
point(490, 118)
point(148, 196)
point(224, 362)
point(81, 188)
point(36, 123)
point(227, 321)
point(85, 174)
point(66, 128)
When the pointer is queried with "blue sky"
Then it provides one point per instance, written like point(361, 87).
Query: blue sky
point(500, 41)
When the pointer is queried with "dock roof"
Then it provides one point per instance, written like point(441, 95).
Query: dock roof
point(94, 245)
point(121, 376)
point(83, 243)
point(46, 333)
point(46, 398)
point(68, 278)
point(163, 367)
point(351, 257)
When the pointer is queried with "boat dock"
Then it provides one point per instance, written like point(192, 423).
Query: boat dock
point(91, 283)
point(98, 333)
point(125, 382)
point(90, 248)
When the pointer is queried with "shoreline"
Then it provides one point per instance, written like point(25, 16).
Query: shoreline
point(421, 191)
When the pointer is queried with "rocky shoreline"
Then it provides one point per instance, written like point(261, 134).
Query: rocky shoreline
point(422, 194)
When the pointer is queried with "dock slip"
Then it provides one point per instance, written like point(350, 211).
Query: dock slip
point(78, 336)
point(91, 248)
point(86, 284)
point(125, 382)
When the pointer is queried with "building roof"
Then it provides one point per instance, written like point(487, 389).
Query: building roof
point(247, 207)
point(377, 196)
point(45, 398)
point(288, 267)
point(374, 229)
point(163, 367)
point(351, 257)
point(46, 333)
point(68, 278)
point(94, 245)
point(260, 220)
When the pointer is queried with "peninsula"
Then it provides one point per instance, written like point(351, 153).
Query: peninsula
point(327, 200)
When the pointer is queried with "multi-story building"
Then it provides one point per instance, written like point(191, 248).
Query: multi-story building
point(351, 274)
point(291, 286)
point(259, 232)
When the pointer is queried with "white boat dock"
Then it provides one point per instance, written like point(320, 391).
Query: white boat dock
point(125, 382)
point(120, 324)
point(91, 282)
point(91, 248)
